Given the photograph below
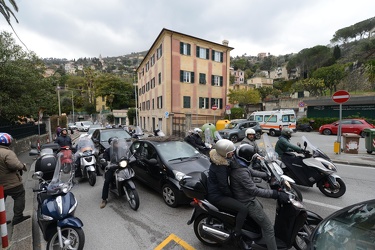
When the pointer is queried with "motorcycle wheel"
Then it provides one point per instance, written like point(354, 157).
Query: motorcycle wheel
point(334, 192)
point(73, 238)
point(92, 178)
point(294, 189)
point(134, 198)
point(198, 224)
point(302, 237)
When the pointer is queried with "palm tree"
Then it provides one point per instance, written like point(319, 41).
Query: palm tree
point(7, 12)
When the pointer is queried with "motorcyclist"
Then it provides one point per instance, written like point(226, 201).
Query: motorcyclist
point(113, 141)
point(250, 139)
point(245, 191)
point(283, 145)
point(64, 140)
point(195, 140)
point(219, 192)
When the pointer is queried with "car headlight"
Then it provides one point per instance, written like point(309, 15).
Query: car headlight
point(123, 164)
point(179, 175)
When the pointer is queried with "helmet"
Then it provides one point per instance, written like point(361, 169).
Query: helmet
point(111, 139)
point(5, 139)
point(250, 131)
point(197, 131)
point(224, 146)
point(64, 129)
point(287, 132)
point(245, 152)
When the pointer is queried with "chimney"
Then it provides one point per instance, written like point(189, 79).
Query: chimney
point(225, 42)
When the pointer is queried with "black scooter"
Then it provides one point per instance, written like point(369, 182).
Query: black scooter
point(214, 227)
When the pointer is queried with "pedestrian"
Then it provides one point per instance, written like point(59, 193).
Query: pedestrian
point(58, 131)
point(10, 178)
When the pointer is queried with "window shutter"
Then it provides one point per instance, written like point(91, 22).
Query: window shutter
point(212, 102)
point(221, 56)
point(207, 54)
point(181, 48)
point(188, 49)
point(192, 77)
point(181, 76)
point(206, 102)
point(197, 51)
point(213, 55)
point(221, 81)
point(212, 80)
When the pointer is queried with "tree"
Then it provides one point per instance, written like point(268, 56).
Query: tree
point(267, 91)
point(7, 12)
point(331, 76)
point(370, 71)
point(315, 87)
point(132, 116)
point(337, 52)
point(243, 97)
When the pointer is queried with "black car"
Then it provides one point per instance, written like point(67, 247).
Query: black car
point(100, 137)
point(352, 227)
point(161, 162)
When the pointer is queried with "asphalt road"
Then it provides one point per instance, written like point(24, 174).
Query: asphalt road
point(117, 226)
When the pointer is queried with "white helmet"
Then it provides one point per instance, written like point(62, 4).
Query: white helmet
point(197, 131)
point(250, 131)
point(224, 146)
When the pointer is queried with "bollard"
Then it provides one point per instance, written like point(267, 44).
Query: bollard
point(3, 220)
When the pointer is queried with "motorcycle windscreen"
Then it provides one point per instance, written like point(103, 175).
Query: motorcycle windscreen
point(119, 150)
point(62, 180)
point(85, 146)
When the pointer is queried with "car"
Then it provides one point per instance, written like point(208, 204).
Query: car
point(83, 126)
point(91, 131)
point(355, 126)
point(235, 130)
point(161, 162)
point(352, 227)
point(101, 135)
point(72, 126)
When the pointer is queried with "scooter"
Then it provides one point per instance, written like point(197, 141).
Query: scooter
point(56, 207)
point(309, 168)
point(214, 227)
point(87, 161)
point(123, 176)
point(306, 127)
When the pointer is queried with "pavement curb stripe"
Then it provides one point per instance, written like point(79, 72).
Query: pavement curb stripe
point(177, 240)
point(3, 220)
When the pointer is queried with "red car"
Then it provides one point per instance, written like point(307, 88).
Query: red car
point(355, 126)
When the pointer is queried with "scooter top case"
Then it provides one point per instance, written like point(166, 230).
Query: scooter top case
point(46, 163)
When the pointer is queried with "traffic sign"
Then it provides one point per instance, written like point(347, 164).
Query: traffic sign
point(340, 96)
point(214, 107)
point(227, 107)
point(301, 104)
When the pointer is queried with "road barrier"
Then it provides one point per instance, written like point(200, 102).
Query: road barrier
point(3, 220)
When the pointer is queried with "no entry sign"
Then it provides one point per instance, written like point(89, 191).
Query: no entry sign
point(340, 96)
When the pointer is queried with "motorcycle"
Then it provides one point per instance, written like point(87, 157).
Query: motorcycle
point(214, 227)
point(308, 168)
point(56, 208)
point(85, 152)
point(123, 183)
point(307, 127)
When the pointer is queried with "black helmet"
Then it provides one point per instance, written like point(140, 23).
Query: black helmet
point(245, 152)
point(287, 132)
point(111, 139)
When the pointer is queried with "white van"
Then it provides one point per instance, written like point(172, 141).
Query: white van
point(273, 121)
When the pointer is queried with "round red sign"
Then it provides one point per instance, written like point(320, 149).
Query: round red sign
point(214, 107)
point(340, 96)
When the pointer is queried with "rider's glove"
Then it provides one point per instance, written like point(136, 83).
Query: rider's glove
point(283, 197)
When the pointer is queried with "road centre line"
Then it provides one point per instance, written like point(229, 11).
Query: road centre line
point(321, 204)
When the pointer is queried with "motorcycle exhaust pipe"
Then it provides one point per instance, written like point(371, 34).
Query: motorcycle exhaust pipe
point(216, 234)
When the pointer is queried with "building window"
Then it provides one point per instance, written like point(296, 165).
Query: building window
point(217, 81)
point(140, 91)
point(159, 51)
point(152, 60)
point(153, 103)
point(202, 78)
point(186, 76)
point(147, 66)
point(186, 102)
point(147, 105)
point(217, 56)
point(185, 49)
point(159, 77)
point(153, 83)
point(160, 102)
point(203, 102)
point(203, 52)
point(218, 102)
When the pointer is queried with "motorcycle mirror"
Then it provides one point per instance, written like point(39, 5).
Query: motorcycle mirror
point(153, 161)
point(305, 144)
point(298, 144)
point(37, 175)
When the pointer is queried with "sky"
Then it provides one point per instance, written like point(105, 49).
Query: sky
point(75, 29)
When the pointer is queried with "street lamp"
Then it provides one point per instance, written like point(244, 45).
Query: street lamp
point(136, 104)
point(58, 99)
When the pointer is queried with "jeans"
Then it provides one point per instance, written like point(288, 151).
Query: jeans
point(18, 195)
point(256, 212)
point(107, 181)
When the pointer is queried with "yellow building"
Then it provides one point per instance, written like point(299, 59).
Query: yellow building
point(180, 75)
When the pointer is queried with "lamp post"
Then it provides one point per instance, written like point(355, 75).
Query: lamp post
point(72, 107)
point(136, 104)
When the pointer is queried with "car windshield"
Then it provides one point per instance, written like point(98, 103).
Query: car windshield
point(232, 125)
point(172, 150)
point(121, 134)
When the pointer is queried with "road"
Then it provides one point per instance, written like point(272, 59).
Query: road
point(118, 227)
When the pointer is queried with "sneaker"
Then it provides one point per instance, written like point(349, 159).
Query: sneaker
point(15, 222)
point(103, 204)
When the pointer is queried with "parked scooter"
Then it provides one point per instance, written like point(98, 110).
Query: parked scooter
point(56, 207)
point(306, 127)
point(214, 227)
point(85, 155)
point(123, 183)
point(309, 168)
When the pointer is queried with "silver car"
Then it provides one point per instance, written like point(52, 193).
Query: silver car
point(235, 130)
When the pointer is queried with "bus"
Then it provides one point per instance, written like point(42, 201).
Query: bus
point(272, 122)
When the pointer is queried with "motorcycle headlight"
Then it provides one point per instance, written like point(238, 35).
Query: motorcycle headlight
point(179, 175)
point(123, 164)
point(328, 164)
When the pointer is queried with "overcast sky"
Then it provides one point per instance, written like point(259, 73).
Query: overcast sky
point(89, 28)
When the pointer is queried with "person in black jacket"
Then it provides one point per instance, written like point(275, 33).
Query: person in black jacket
point(245, 191)
point(64, 139)
point(219, 192)
point(195, 139)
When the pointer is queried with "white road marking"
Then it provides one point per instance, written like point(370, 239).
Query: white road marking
point(321, 204)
